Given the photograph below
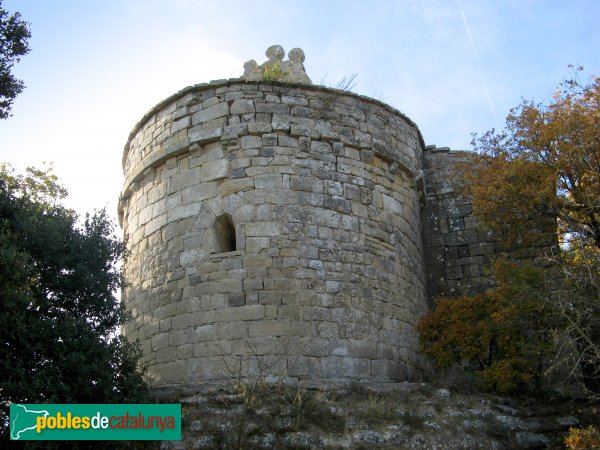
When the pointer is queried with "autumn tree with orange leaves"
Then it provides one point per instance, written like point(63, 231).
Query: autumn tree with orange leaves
point(543, 167)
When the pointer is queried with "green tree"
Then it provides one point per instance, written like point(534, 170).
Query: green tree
point(59, 320)
point(14, 34)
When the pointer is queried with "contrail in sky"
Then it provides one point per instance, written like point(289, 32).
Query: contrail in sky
point(483, 82)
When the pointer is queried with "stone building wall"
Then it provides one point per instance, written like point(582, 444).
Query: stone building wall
point(458, 249)
point(274, 229)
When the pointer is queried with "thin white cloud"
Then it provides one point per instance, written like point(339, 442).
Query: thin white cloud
point(478, 62)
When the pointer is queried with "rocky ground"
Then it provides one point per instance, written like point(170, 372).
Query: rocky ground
point(399, 416)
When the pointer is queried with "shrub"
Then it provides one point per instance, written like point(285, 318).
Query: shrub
point(583, 438)
point(500, 334)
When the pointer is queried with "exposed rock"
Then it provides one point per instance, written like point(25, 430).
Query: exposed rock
point(404, 416)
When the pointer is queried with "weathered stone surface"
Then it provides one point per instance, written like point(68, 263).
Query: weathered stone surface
point(457, 248)
point(263, 225)
point(201, 136)
point(242, 106)
point(214, 170)
point(275, 68)
point(210, 113)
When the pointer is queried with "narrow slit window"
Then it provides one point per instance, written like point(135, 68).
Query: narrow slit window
point(225, 231)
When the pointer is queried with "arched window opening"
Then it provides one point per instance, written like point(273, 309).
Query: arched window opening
point(225, 233)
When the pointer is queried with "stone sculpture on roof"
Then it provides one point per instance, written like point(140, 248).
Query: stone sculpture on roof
point(275, 68)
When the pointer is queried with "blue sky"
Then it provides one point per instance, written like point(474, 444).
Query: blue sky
point(454, 67)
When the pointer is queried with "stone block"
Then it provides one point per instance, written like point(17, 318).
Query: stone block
point(268, 181)
point(166, 355)
point(315, 264)
point(454, 272)
point(258, 128)
point(242, 106)
point(214, 170)
point(317, 347)
point(392, 205)
point(258, 346)
point(262, 229)
point(459, 211)
point(296, 101)
point(227, 285)
point(236, 299)
point(326, 218)
point(260, 262)
point(253, 284)
point(309, 198)
point(380, 369)
point(210, 113)
point(299, 328)
point(273, 108)
point(256, 244)
point(300, 131)
point(267, 152)
point(268, 328)
point(339, 204)
point(356, 367)
point(328, 329)
point(366, 196)
point(180, 124)
point(181, 212)
point(250, 141)
point(332, 367)
point(333, 188)
point(456, 238)
point(236, 185)
point(215, 301)
point(185, 351)
point(241, 313)
point(205, 333)
point(352, 192)
point(481, 248)
point(176, 143)
point(304, 367)
point(456, 224)
point(202, 136)
point(269, 297)
point(171, 371)
point(304, 143)
point(363, 349)
point(198, 192)
point(180, 337)
point(209, 349)
point(332, 286)
point(160, 341)
point(231, 330)
point(475, 271)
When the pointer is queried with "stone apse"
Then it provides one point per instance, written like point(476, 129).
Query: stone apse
point(276, 230)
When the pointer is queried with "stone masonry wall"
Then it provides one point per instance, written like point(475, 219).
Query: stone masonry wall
point(458, 249)
point(274, 230)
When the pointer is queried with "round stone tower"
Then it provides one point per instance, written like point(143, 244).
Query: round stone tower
point(274, 231)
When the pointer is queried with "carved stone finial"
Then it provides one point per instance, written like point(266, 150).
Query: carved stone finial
point(249, 68)
point(296, 55)
point(275, 53)
point(275, 68)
